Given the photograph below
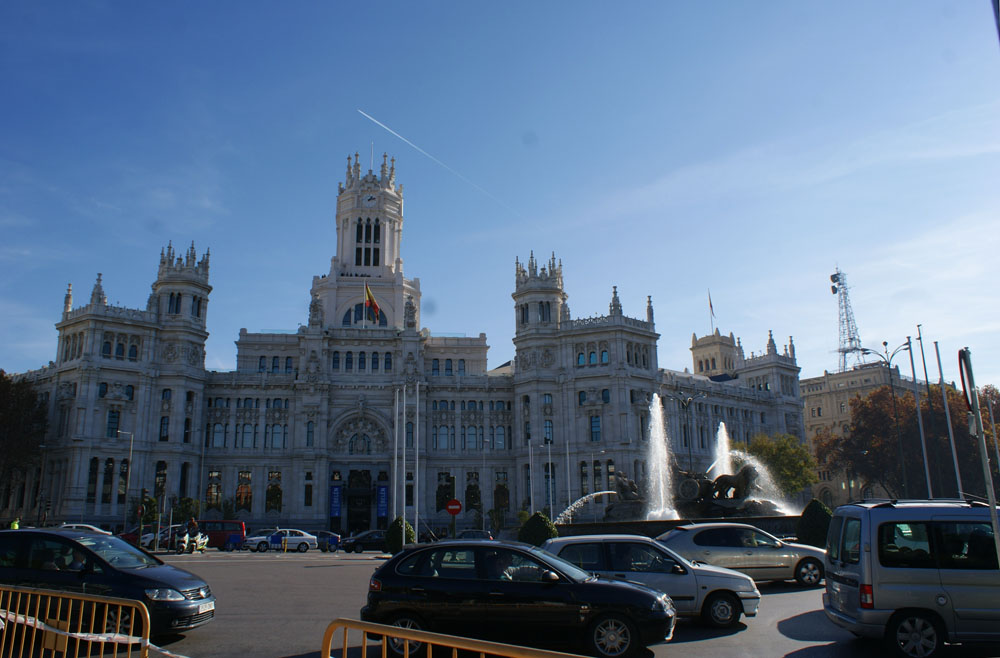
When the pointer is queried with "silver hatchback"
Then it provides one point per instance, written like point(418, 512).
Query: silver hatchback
point(743, 547)
point(719, 596)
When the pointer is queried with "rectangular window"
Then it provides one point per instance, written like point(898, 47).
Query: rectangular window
point(447, 367)
point(595, 428)
point(187, 430)
point(114, 416)
point(309, 495)
point(966, 545)
point(833, 534)
point(164, 428)
point(850, 541)
point(907, 546)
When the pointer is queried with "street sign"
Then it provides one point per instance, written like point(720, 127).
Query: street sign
point(454, 506)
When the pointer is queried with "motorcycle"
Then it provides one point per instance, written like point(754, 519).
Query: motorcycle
point(188, 544)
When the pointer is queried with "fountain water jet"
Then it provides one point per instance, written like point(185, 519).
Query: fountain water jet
point(723, 459)
point(566, 516)
point(660, 473)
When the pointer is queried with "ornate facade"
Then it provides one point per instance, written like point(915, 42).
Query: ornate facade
point(313, 428)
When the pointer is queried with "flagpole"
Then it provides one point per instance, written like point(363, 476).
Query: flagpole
point(395, 455)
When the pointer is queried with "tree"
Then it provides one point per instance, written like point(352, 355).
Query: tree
point(789, 461)
point(879, 450)
point(23, 422)
point(399, 534)
point(537, 529)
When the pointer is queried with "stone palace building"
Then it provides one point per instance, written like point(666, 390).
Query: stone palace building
point(357, 417)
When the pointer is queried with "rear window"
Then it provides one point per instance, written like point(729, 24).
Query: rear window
point(966, 545)
point(718, 537)
point(850, 541)
point(589, 557)
point(833, 537)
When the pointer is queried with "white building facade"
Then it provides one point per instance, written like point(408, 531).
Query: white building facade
point(357, 417)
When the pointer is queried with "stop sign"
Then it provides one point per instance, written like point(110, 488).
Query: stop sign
point(454, 506)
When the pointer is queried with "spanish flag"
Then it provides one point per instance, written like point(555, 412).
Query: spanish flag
point(370, 303)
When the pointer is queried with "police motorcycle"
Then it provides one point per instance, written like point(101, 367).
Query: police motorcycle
point(188, 544)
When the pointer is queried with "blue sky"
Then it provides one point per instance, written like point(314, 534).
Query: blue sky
point(666, 148)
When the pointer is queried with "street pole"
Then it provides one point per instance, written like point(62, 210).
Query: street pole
point(947, 418)
point(548, 473)
point(920, 419)
point(482, 484)
point(40, 499)
point(128, 479)
point(531, 479)
point(887, 359)
point(930, 407)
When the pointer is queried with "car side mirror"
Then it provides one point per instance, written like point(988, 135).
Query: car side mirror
point(678, 569)
point(550, 577)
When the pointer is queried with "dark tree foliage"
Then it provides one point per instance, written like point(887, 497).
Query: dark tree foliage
point(537, 529)
point(791, 464)
point(399, 534)
point(23, 422)
point(813, 524)
point(873, 450)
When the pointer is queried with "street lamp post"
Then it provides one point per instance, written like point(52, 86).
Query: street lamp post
point(128, 478)
point(887, 358)
point(593, 458)
point(685, 403)
point(548, 476)
point(40, 499)
point(482, 486)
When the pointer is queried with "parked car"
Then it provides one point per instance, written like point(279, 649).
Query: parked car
point(224, 535)
point(916, 573)
point(718, 595)
point(84, 527)
point(287, 539)
point(487, 588)
point(475, 534)
point(369, 540)
point(328, 542)
point(76, 561)
point(748, 549)
point(167, 534)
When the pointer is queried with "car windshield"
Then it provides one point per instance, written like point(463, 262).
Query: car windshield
point(118, 553)
point(678, 558)
point(568, 568)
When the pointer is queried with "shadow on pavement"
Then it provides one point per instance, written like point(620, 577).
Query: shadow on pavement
point(812, 626)
point(692, 631)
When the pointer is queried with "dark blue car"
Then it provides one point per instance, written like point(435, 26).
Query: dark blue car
point(86, 563)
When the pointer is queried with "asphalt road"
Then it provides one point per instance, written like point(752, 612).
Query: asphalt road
point(278, 606)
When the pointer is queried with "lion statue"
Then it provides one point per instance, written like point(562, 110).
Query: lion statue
point(740, 484)
point(627, 489)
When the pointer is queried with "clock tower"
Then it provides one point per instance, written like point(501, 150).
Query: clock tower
point(369, 233)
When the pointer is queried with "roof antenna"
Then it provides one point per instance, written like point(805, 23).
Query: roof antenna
point(371, 165)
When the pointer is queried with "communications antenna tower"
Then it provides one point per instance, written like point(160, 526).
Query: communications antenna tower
point(850, 341)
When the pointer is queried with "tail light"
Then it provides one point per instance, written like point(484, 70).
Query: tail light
point(374, 585)
point(867, 597)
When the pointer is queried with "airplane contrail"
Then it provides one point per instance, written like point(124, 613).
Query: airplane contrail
point(396, 134)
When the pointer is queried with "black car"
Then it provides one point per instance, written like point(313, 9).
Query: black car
point(88, 563)
point(369, 540)
point(514, 592)
point(328, 542)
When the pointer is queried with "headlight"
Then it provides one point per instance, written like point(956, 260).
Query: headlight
point(663, 602)
point(164, 594)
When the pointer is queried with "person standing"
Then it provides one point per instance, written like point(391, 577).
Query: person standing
point(16, 523)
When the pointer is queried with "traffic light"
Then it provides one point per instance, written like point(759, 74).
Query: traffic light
point(48, 505)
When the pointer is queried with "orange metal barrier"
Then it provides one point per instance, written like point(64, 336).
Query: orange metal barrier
point(42, 623)
point(443, 646)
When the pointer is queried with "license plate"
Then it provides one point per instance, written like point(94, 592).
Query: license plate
point(205, 607)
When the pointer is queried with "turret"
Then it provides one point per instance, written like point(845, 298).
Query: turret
point(181, 288)
point(539, 299)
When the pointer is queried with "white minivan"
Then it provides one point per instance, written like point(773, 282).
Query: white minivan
point(917, 573)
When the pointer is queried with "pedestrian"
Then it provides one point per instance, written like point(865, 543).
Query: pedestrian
point(16, 523)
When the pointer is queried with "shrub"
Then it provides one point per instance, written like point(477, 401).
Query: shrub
point(537, 529)
point(814, 524)
point(394, 536)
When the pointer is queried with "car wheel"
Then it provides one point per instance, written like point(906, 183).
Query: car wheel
point(303, 548)
point(809, 572)
point(721, 610)
point(262, 547)
point(119, 619)
point(396, 646)
point(358, 549)
point(915, 635)
point(612, 636)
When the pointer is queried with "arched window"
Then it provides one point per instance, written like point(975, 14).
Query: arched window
point(605, 395)
point(272, 497)
point(713, 363)
point(581, 359)
point(218, 436)
point(359, 233)
point(409, 435)
point(604, 356)
point(120, 351)
point(244, 493)
point(277, 438)
point(435, 367)
point(582, 397)
point(359, 445)
point(378, 232)
point(347, 319)
point(368, 231)
point(109, 480)
point(593, 358)
point(500, 443)
point(310, 431)
point(434, 434)
point(447, 367)
point(106, 349)
point(166, 394)
point(102, 389)
point(336, 360)
point(461, 367)
point(160, 480)
point(114, 417)
point(349, 361)
point(133, 353)
point(374, 360)
point(92, 480)
point(247, 440)
point(361, 361)
point(262, 364)
point(122, 480)
point(274, 364)
point(288, 364)
point(548, 431)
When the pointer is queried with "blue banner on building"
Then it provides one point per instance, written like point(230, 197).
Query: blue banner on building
point(382, 500)
point(335, 500)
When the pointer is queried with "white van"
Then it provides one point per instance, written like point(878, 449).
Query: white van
point(917, 573)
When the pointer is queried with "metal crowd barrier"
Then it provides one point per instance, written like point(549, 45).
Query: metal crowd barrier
point(42, 623)
point(430, 644)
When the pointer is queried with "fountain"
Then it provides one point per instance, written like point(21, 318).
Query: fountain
point(566, 516)
point(660, 476)
point(723, 454)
